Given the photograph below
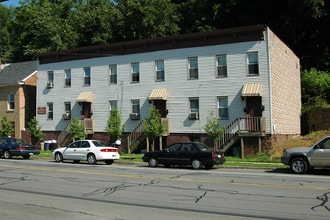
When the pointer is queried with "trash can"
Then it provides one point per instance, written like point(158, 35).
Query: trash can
point(236, 151)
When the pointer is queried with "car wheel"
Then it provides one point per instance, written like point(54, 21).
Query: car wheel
point(299, 166)
point(7, 154)
point(58, 158)
point(109, 162)
point(91, 159)
point(153, 162)
point(196, 164)
point(26, 156)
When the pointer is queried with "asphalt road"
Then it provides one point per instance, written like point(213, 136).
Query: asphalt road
point(35, 189)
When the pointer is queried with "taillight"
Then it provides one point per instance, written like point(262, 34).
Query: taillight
point(21, 148)
point(214, 155)
point(109, 150)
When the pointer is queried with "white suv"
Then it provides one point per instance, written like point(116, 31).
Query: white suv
point(303, 159)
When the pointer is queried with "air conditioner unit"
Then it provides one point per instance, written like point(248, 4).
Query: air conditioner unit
point(50, 85)
point(134, 116)
point(193, 115)
point(66, 116)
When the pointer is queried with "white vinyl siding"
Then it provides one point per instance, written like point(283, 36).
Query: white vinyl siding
point(207, 88)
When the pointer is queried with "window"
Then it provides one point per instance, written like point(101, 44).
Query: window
point(160, 71)
point(194, 108)
point(252, 61)
point(193, 68)
point(136, 106)
point(50, 111)
point(11, 101)
point(67, 76)
point(223, 107)
point(67, 106)
point(135, 115)
point(87, 76)
point(50, 79)
point(135, 72)
point(67, 110)
point(113, 74)
point(113, 104)
point(221, 66)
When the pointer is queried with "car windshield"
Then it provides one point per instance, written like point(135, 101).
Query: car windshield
point(99, 144)
point(203, 147)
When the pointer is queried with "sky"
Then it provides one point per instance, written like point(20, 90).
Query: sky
point(10, 3)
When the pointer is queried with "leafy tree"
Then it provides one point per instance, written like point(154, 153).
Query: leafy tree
point(213, 127)
point(93, 22)
point(41, 26)
point(114, 127)
point(315, 86)
point(77, 130)
point(35, 130)
point(153, 126)
point(5, 47)
point(6, 127)
point(145, 19)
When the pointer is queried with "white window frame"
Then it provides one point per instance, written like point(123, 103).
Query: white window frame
point(67, 77)
point(50, 111)
point(87, 76)
point(135, 106)
point(160, 70)
point(222, 66)
point(252, 59)
point(11, 101)
point(113, 104)
point(191, 103)
point(193, 67)
point(135, 72)
point(223, 107)
point(113, 73)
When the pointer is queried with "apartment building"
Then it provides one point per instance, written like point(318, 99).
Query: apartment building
point(245, 76)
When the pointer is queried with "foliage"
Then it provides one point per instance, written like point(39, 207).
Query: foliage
point(77, 130)
point(114, 126)
point(213, 127)
point(153, 126)
point(6, 127)
point(315, 86)
point(146, 19)
point(35, 130)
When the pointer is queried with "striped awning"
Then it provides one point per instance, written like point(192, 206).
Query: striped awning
point(252, 89)
point(158, 94)
point(85, 97)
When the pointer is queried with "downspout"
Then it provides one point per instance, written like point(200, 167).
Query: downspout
point(269, 82)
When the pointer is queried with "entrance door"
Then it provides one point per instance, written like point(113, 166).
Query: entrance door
point(253, 109)
point(161, 107)
point(253, 106)
point(86, 110)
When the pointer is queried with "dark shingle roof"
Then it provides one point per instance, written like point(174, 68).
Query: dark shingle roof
point(15, 72)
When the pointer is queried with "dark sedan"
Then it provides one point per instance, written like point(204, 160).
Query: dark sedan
point(193, 154)
point(16, 147)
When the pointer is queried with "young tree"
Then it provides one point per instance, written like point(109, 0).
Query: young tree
point(6, 127)
point(114, 127)
point(35, 131)
point(213, 127)
point(153, 126)
point(77, 130)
